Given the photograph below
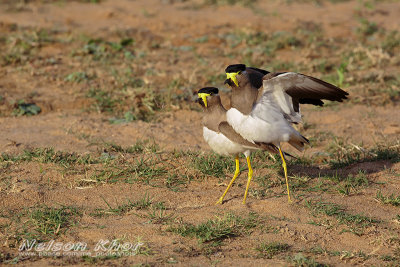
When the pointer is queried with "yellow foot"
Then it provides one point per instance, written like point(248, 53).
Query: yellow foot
point(220, 201)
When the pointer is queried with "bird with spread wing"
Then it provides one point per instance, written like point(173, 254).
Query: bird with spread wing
point(264, 105)
point(221, 137)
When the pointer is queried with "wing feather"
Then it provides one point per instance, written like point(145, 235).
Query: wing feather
point(290, 89)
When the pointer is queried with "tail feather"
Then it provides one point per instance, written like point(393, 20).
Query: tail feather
point(287, 154)
point(298, 141)
point(268, 147)
point(273, 149)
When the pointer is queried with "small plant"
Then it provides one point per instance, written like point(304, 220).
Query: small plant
point(352, 182)
point(268, 250)
point(355, 222)
point(391, 42)
point(392, 199)
point(28, 109)
point(230, 2)
point(45, 222)
point(128, 117)
point(346, 154)
point(366, 27)
point(216, 230)
point(130, 205)
point(76, 77)
point(103, 100)
point(299, 260)
point(213, 164)
point(340, 72)
point(158, 214)
point(48, 155)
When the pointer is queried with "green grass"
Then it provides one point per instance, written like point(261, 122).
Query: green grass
point(176, 182)
point(143, 170)
point(21, 108)
point(391, 42)
point(48, 155)
point(230, 2)
point(142, 162)
point(299, 260)
point(356, 223)
point(389, 258)
point(77, 77)
point(155, 212)
point(391, 199)
point(22, 45)
point(351, 183)
point(343, 155)
point(215, 231)
point(213, 164)
point(104, 101)
point(44, 223)
point(100, 49)
point(158, 214)
point(139, 147)
point(121, 209)
point(366, 27)
point(270, 249)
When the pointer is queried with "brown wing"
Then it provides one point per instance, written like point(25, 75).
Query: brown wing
point(303, 89)
point(232, 135)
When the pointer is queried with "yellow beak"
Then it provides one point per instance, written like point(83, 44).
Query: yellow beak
point(232, 76)
point(203, 96)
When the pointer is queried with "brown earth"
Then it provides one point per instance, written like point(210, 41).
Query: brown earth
point(165, 32)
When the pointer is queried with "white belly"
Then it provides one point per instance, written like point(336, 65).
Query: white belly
point(274, 130)
point(221, 144)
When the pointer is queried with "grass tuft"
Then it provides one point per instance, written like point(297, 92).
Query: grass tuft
point(355, 222)
point(299, 260)
point(213, 164)
point(45, 223)
point(345, 155)
point(268, 250)
point(217, 230)
point(391, 200)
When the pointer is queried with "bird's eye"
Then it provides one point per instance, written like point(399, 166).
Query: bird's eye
point(239, 72)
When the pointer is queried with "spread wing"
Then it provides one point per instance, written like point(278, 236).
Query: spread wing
point(286, 91)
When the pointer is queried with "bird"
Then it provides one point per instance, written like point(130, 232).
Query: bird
point(264, 105)
point(221, 137)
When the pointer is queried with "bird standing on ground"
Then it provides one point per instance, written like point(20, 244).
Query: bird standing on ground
point(220, 135)
point(264, 105)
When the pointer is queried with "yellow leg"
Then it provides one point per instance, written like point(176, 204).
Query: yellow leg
point(285, 170)
point(237, 171)
point(250, 175)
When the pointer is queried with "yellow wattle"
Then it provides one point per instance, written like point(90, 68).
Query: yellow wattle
point(203, 96)
point(232, 76)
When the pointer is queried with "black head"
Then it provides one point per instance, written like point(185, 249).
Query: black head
point(208, 90)
point(235, 68)
point(203, 93)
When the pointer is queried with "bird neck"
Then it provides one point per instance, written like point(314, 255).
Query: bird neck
point(243, 98)
point(214, 114)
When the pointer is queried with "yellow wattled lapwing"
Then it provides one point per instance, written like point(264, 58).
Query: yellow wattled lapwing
point(222, 138)
point(264, 105)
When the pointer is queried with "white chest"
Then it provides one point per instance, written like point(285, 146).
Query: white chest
point(221, 144)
